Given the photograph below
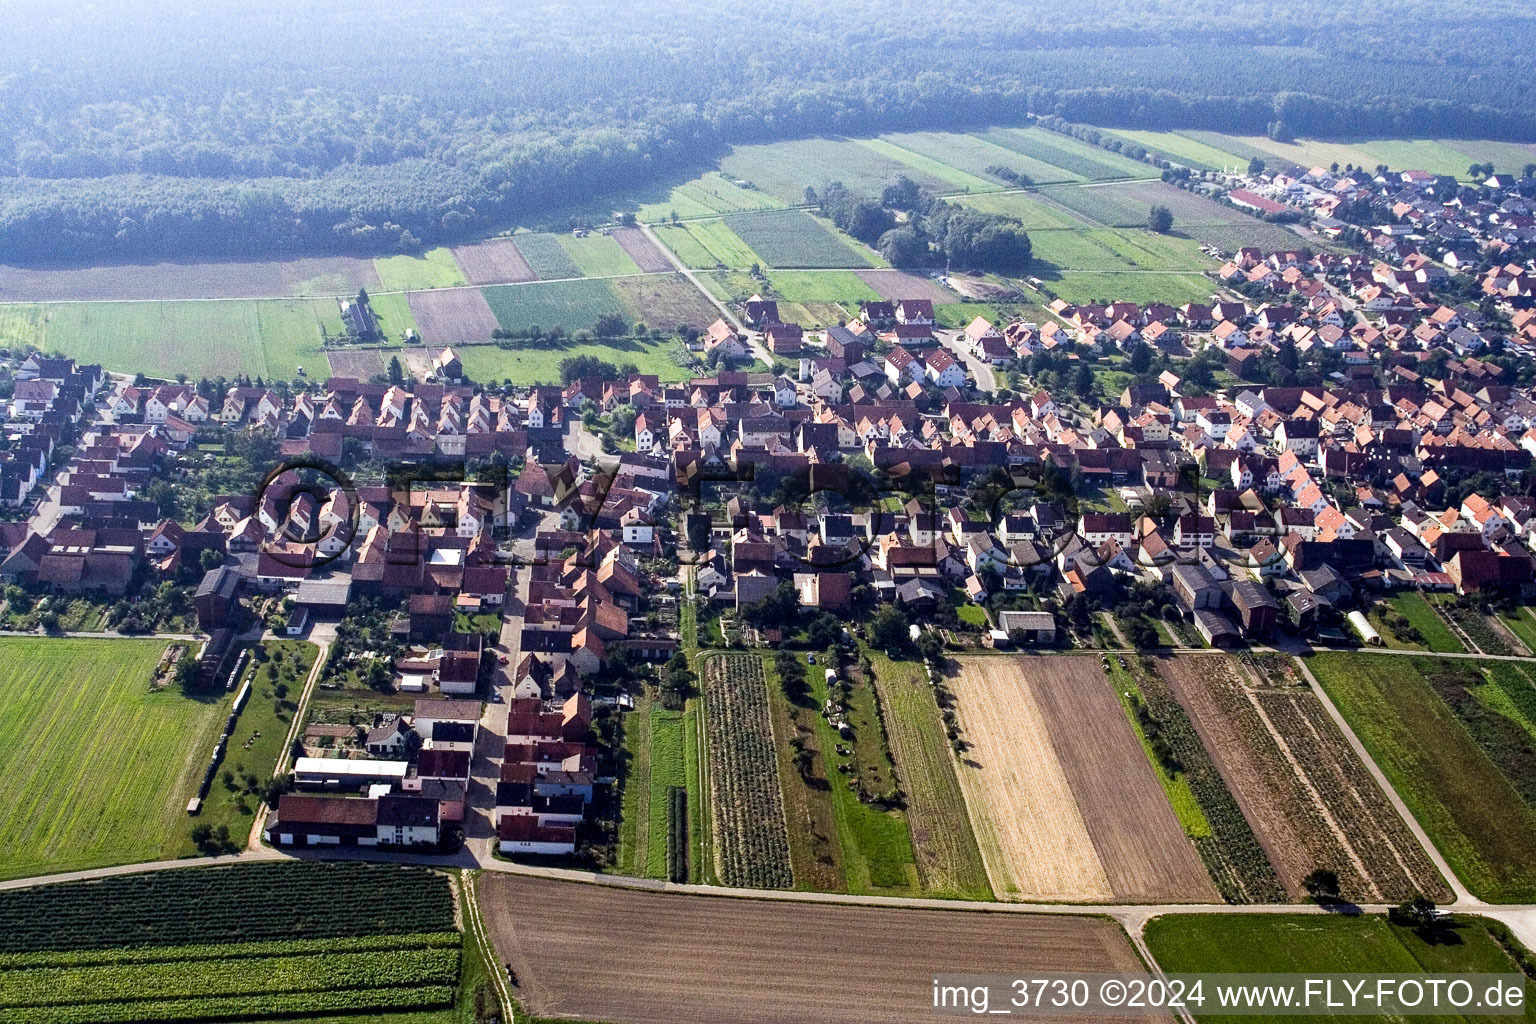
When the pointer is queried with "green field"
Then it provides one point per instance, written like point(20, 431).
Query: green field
point(792, 238)
point(1174, 289)
point(1078, 158)
point(1026, 207)
point(542, 366)
point(717, 245)
point(598, 255)
point(100, 769)
point(394, 315)
point(547, 257)
point(1106, 250)
point(667, 769)
point(1182, 149)
point(1469, 808)
point(268, 338)
point(573, 305)
point(686, 245)
point(956, 179)
point(784, 169)
point(435, 268)
point(128, 949)
point(948, 860)
point(973, 154)
point(1295, 943)
point(706, 196)
point(842, 286)
point(1437, 635)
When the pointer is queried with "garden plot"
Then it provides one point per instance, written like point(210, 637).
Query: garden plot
point(1310, 800)
point(751, 841)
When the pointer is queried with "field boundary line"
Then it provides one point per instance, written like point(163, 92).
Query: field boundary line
point(1462, 893)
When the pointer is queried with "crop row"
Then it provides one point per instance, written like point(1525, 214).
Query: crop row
point(1475, 624)
point(225, 950)
point(1391, 855)
point(234, 904)
point(748, 804)
point(60, 986)
point(244, 1007)
point(1319, 844)
point(1232, 854)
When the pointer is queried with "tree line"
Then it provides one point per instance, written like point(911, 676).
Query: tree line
point(225, 130)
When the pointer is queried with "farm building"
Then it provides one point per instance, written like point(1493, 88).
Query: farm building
point(1216, 629)
point(1037, 627)
point(341, 773)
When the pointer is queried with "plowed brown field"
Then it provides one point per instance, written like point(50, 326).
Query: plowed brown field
point(497, 261)
point(595, 952)
point(642, 250)
point(452, 315)
point(1065, 803)
point(897, 284)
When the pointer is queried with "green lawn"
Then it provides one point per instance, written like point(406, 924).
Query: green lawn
point(435, 268)
point(394, 315)
point(821, 286)
point(721, 245)
point(1522, 623)
point(598, 255)
point(1026, 207)
point(1438, 637)
point(98, 768)
point(635, 797)
point(1470, 810)
point(686, 245)
point(877, 847)
point(1295, 943)
point(268, 338)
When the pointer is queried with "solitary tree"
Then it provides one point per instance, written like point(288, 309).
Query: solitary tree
point(1160, 219)
point(1256, 166)
point(1322, 884)
point(396, 371)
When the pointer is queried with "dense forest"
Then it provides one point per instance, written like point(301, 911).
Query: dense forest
point(142, 128)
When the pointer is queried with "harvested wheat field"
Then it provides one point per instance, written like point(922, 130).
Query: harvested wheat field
point(1310, 801)
point(1064, 802)
point(595, 952)
point(898, 284)
point(498, 261)
point(359, 363)
point(647, 256)
point(450, 315)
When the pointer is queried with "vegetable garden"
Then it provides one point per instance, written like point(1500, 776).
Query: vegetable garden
point(1232, 854)
point(751, 840)
point(212, 944)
